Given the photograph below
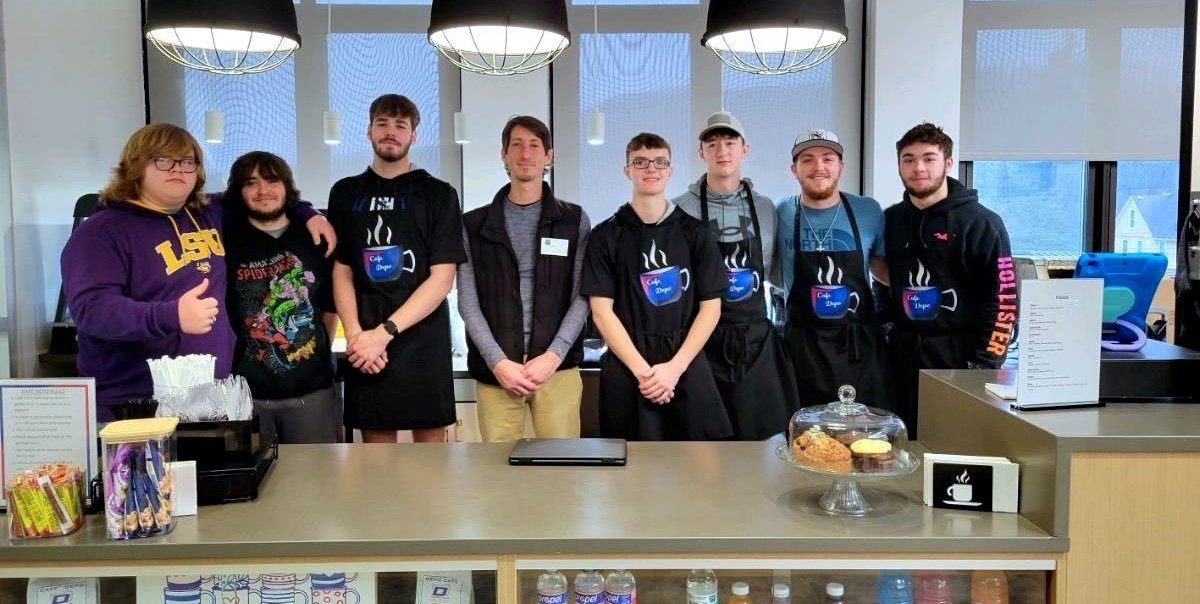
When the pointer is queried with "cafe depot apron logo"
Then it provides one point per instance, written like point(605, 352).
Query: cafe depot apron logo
point(383, 261)
point(744, 281)
point(663, 283)
point(830, 297)
point(922, 301)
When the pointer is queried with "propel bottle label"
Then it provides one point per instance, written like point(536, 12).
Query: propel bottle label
point(552, 598)
point(629, 598)
point(703, 598)
point(596, 597)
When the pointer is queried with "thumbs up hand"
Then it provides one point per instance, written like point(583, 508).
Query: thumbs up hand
point(197, 314)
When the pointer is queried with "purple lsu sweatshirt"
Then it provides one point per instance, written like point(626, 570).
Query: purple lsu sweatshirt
point(124, 270)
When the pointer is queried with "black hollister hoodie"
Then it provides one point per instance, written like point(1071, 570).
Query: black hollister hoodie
point(959, 240)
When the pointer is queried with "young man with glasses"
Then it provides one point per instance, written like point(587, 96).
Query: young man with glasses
point(144, 276)
point(747, 357)
point(830, 244)
point(518, 294)
point(402, 233)
point(654, 281)
point(281, 305)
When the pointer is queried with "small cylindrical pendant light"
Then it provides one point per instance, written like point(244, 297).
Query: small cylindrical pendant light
point(595, 127)
point(460, 128)
point(214, 126)
point(333, 128)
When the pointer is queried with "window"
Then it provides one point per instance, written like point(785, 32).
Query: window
point(638, 81)
point(760, 102)
point(364, 66)
point(1149, 189)
point(260, 115)
point(1042, 203)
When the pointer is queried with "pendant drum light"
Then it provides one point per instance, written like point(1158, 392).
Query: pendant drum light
point(499, 37)
point(223, 36)
point(773, 37)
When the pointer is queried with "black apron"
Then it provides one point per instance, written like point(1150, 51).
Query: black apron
point(416, 389)
point(753, 372)
point(935, 326)
point(833, 334)
point(657, 331)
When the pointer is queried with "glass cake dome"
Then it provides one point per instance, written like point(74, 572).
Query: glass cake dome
point(846, 437)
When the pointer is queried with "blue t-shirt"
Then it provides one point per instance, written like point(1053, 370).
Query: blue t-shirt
point(867, 214)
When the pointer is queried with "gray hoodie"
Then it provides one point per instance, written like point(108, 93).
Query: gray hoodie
point(729, 216)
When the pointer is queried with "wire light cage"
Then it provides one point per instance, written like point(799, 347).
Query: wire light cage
point(771, 37)
point(228, 37)
point(499, 38)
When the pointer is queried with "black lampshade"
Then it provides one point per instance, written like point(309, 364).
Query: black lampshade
point(501, 37)
point(223, 36)
point(775, 36)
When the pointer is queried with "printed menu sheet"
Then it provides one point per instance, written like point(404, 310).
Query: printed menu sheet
point(1059, 327)
point(47, 421)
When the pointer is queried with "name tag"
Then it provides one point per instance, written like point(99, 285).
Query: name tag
point(555, 247)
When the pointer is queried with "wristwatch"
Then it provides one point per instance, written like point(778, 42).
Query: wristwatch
point(390, 328)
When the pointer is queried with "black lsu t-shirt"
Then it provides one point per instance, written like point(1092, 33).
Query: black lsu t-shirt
point(278, 288)
point(656, 274)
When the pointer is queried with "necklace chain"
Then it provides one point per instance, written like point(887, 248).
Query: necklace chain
point(821, 239)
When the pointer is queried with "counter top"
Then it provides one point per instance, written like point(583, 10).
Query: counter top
point(464, 499)
point(1120, 427)
point(957, 415)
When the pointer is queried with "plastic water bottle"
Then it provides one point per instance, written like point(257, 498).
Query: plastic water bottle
point(781, 594)
point(895, 587)
point(702, 587)
point(589, 587)
point(741, 594)
point(835, 593)
point(620, 588)
point(931, 588)
point(989, 587)
point(552, 587)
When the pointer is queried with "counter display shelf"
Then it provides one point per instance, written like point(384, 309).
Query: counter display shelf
point(399, 509)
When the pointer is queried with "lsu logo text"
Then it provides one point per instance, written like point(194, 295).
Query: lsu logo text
point(196, 246)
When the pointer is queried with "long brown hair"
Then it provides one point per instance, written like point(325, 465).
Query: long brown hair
point(154, 140)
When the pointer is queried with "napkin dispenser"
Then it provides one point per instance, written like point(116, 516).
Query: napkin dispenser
point(232, 459)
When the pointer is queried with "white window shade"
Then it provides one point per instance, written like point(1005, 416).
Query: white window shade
point(259, 111)
point(774, 110)
point(364, 66)
point(642, 82)
point(1097, 80)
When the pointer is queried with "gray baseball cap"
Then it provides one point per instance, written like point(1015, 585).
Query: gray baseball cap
point(817, 137)
point(722, 120)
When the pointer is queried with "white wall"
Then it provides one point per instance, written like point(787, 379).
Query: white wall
point(73, 77)
point(914, 74)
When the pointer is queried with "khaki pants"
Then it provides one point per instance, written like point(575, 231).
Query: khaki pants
point(554, 407)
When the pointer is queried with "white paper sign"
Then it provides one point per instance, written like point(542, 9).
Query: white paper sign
point(450, 587)
point(1059, 327)
point(47, 421)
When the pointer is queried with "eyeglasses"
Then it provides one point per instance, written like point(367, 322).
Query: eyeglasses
point(641, 163)
point(186, 164)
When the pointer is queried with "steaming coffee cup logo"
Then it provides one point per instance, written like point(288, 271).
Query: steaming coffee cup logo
point(922, 301)
point(961, 492)
point(382, 261)
point(662, 283)
point(830, 299)
point(743, 280)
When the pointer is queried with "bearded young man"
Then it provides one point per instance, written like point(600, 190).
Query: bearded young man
point(953, 287)
point(403, 231)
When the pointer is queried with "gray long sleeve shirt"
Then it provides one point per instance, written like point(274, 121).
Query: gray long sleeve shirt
point(521, 224)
